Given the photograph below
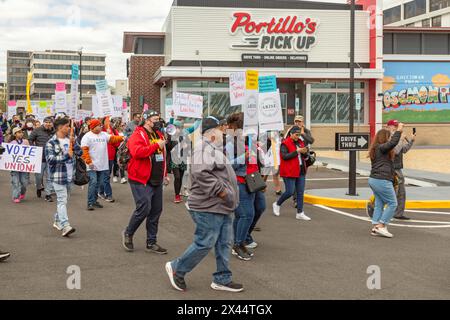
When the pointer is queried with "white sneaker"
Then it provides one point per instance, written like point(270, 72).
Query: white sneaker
point(68, 230)
point(115, 179)
point(57, 226)
point(302, 216)
point(276, 209)
point(383, 232)
point(252, 245)
point(123, 180)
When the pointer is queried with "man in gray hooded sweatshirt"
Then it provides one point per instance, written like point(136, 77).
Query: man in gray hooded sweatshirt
point(214, 197)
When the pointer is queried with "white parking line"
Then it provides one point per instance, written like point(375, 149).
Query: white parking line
point(433, 212)
point(442, 225)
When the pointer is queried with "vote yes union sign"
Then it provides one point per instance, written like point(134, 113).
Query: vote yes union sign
point(288, 33)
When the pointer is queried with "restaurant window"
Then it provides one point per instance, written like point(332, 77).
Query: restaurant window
point(415, 8)
point(436, 21)
point(392, 15)
point(331, 105)
point(439, 4)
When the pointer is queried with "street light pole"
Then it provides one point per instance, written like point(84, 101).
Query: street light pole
point(81, 81)
point(352, 160)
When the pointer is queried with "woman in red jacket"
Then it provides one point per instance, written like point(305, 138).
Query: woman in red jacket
point(293, 171)
point(146, 175)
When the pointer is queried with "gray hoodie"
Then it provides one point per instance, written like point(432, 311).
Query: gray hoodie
point(211, 173)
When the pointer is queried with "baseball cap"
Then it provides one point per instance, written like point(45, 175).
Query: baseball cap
point(393, 123)
point(295, 129)
point(209, 123)
point(299, 118)
point(15, 130)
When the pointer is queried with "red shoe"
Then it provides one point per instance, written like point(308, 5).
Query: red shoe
point(16, 200)
point(22, 196)
point(177, 199)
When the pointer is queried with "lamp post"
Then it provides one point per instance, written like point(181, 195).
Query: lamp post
point(80, 53)
point(352, 160)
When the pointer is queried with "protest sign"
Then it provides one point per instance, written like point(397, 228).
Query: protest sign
point(42, 111)
point(117, 106)
point(73, 105)
point(188, 105)
point(83, 114)
point(252, 80)
point(251, 112)
point(60, 98)
point(12, 109)
point(267, 84)
point(101, 86)
point(237, 88)
point(270, 116)
point(102, 104)
point(22, 158)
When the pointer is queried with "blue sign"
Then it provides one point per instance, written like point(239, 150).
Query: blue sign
point(416, 91)
point(101, 85)
point(267, 84)
point(75, 72)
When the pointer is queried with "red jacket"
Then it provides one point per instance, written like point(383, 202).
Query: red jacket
point(112, 148)
point(140, 165)
point(291, 168)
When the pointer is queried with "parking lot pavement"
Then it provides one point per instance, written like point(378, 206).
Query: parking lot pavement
point(326, 258)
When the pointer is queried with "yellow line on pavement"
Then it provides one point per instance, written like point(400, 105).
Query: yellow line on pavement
point(361, 204)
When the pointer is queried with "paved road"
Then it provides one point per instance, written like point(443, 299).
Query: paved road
point(326, 258)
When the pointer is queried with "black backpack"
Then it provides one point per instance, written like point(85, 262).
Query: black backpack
point(81, 177)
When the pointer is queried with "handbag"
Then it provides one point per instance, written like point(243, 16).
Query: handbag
point(311, 159)
point(255, 182)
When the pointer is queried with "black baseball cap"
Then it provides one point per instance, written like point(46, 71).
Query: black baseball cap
point(209, 123)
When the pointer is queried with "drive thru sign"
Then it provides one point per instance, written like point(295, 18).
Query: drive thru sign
point(352, 141)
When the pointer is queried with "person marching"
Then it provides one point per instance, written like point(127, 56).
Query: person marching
point(293, 170)
point(381, 181)
point(147, 172)
point(19, 180)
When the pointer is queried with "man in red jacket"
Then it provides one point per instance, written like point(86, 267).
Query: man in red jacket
point(146, 175)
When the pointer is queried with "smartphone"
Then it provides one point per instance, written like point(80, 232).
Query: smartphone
point(414, 130)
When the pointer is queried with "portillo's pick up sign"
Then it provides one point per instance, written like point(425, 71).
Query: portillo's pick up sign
point(288, 33)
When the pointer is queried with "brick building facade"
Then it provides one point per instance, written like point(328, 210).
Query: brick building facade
point(142, 69)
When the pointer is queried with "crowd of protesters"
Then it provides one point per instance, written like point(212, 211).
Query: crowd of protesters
point(223, 174)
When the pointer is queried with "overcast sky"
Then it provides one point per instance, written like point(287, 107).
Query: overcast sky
point(95, 25)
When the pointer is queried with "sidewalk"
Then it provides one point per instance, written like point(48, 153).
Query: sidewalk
point(417, 198)
point(413, 177)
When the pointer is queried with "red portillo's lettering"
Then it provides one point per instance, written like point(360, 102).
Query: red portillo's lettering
point(285, 25)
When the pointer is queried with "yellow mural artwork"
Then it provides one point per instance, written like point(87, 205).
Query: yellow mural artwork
point(441, 80)
point(388, 83)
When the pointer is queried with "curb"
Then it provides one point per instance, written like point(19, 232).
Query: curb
point(361, 204)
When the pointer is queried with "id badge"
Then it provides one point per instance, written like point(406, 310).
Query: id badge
point(159, 157)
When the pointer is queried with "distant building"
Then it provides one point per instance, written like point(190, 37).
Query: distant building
point(49, 67)
point(417, 13)
point(121, 88)
point(17, 67)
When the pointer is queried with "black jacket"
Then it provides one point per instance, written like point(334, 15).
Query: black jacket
point(383, 165)
point(39, 138)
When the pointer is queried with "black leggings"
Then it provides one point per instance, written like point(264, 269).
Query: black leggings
point(178, 181)
point(116, 170)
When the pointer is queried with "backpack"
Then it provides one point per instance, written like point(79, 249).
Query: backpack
point(81, 177)
point(123, 154)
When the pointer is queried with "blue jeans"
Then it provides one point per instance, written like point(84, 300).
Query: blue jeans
point(292, 185)
point(62, 196)
point(19, 183)
point(149, 205)
point(39, 179)
point(212, 231)
point(105, 187)
point(384, 195)
point(96, 178)
point(251, 206)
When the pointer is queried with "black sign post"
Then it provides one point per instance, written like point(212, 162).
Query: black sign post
point(352, 142)
point(352, 158)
